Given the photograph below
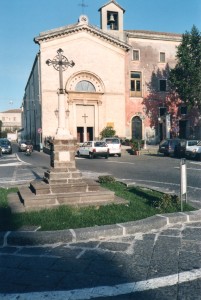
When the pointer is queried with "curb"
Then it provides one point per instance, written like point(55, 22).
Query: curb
point(36, 238)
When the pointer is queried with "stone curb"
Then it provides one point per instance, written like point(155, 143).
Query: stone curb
point(36, 238)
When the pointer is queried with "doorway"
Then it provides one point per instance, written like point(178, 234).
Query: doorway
point(80, 134)
point(182, 129)
point(89, 133)
point(136, 128)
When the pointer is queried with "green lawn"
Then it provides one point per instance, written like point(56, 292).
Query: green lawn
point(143, 203)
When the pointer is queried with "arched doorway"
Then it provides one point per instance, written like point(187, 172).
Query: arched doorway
point(136, 128)
point(84, 91)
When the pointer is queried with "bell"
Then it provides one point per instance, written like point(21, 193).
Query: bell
point(111, 20)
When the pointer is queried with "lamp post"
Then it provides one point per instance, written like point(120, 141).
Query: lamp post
point(149, 114)
point(145, 131)
point(61, 63)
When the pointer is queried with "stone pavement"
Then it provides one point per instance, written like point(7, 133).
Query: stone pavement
point(155, 258)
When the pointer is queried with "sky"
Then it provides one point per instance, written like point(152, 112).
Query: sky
point(22, 20)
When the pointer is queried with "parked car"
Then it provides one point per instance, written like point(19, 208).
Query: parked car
point(183, 146)
point(194, 152)
point(114, 145)
point(93, 149)
point(6, 146)
point(167, 146)
point(23, 145)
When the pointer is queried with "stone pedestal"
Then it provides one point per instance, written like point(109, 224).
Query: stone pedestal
point(63, 184)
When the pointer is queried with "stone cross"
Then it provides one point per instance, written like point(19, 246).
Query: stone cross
point(60, 63)
point(85, 117)
point(83, 5)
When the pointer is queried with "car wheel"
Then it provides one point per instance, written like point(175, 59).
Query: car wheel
point(199, 156)
point(106, 157)
point(91, 156)
point(119, 154)
point(78, 153)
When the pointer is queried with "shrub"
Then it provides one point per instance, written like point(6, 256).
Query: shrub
point(168, 203)
point(106, 179)
point(107, 132)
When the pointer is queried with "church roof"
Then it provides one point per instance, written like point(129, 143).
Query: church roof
point(112, 1)
point(78, 27)
point(12, 111)
point(153, 35)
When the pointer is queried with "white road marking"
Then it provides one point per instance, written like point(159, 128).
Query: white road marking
point(12, 164)
point(120, 162)
point(109, 291)
point(194, 169)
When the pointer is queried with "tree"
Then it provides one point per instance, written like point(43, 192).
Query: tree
point(107, 132)
point(185, 78)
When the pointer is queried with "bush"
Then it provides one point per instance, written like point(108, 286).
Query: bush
point(168, 203)
point(137, 145)
point(107, 132)
point(106, 179)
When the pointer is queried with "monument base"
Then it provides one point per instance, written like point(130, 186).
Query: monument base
point(63, 184)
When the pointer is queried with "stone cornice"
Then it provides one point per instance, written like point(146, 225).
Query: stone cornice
point(69, 30)
point(153, 35)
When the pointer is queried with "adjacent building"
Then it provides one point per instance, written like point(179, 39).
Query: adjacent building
point(11, 122)
point(119, 79)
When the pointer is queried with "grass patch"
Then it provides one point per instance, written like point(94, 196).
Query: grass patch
point(143, 203)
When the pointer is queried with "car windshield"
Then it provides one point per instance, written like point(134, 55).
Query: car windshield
point(164, 143)
point(112, 141)
point(192, 143)
point(99, 144)
point(4, 143)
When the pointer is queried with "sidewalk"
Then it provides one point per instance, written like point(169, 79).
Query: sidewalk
point(32, 237)
point(157, 258)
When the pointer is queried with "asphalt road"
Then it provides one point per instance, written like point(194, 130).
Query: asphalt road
point(153, 171)
point(162, 264)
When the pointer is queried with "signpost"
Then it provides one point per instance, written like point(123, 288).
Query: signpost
point(183, 183)
point(40, 133)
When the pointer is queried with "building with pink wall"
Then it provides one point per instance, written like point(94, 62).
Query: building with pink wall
point(120, 79)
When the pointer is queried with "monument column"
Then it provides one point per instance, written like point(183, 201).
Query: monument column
point(63, 144)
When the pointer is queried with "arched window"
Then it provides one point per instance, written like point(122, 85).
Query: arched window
point(85, 86)
point(136, 128)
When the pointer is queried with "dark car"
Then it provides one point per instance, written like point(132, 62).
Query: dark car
point(167, 146)
point(6, 147)
point(183, 146)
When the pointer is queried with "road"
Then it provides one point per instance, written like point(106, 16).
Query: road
point(162, 264)
point(153, 171)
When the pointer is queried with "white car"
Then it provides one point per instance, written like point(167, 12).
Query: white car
point(93, 149)
point(194, 151)
point(114, 145)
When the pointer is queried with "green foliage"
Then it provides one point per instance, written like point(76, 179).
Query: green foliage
point(137, 145)
point(185, 78)
point(168, 203)
point(141, 203)
point(107, 132)
point(106, 179)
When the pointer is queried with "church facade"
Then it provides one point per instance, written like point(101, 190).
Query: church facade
point(119, 79)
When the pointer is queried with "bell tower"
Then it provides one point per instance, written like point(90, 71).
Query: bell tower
point(111, 19)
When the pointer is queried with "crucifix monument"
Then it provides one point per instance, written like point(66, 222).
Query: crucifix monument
point(61, 63)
